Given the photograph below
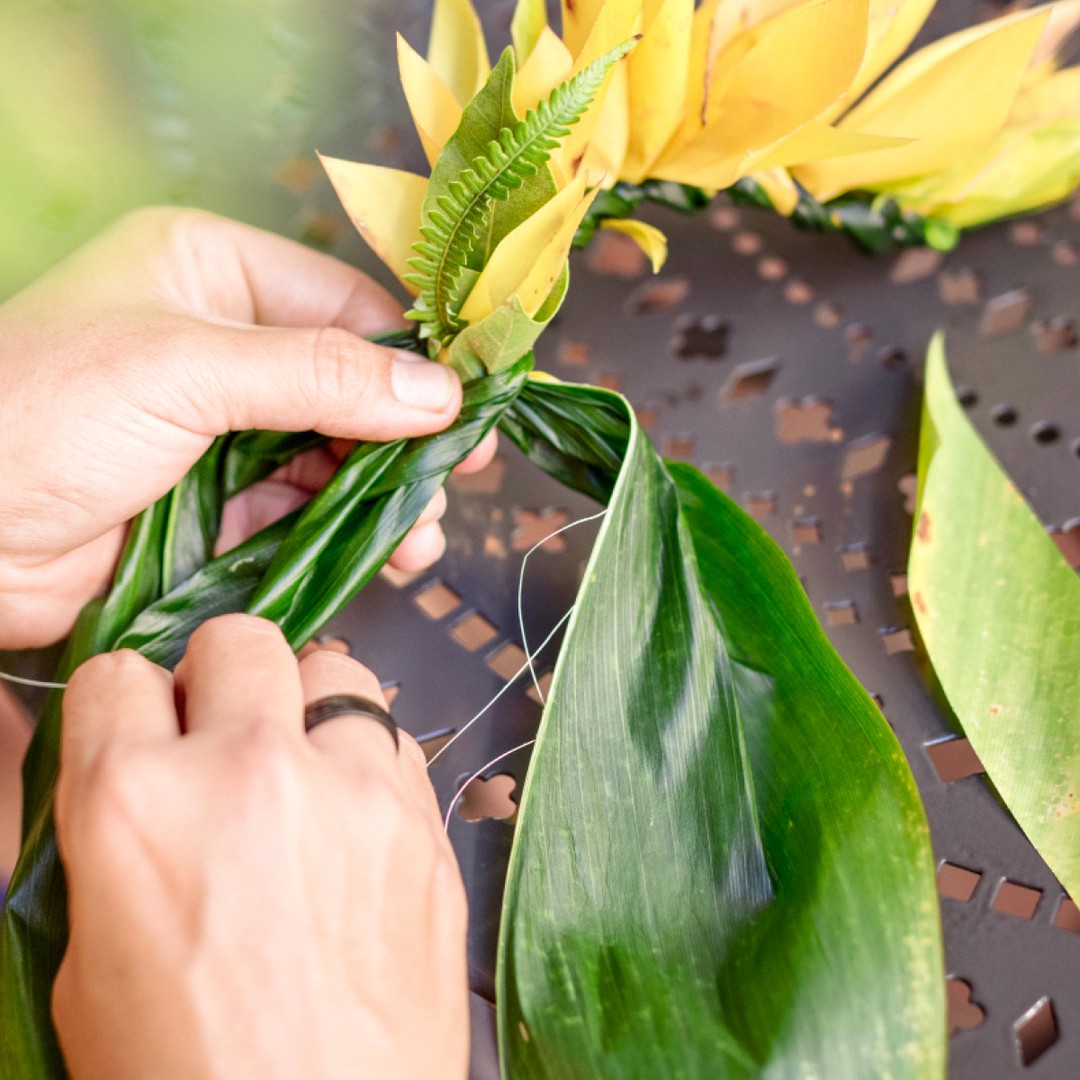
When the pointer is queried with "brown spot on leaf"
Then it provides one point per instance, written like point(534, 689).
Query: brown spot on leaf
point(924, 530)
point(919, 602)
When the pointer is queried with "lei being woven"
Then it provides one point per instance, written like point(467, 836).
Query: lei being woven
point(721, 866)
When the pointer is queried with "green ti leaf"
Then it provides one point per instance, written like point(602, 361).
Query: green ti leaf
point(491, 156)
point(721, 867)
point(998, 609)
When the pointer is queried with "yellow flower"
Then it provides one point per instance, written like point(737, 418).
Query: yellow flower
point(989, 119)
point(1035, 159)
point(709, 95)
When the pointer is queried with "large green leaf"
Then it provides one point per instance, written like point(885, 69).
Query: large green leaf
point(999, 612)
point(721, 867)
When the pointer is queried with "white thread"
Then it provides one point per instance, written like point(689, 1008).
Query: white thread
point(521, 585)
point(483, 768)
point(509, 682)
point(32, 682)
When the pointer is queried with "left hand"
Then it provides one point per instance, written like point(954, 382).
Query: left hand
point(120, 366)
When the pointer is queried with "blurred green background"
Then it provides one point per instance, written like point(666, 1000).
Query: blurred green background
point(107, 105)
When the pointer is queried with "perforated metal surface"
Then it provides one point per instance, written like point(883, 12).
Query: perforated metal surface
point(788, 366)
point(808, 415)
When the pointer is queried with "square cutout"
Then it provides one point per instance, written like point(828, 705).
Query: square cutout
point(507, 660)
point(954, 759)
point(855, 557)
point(473, 632)
point(437, 600)
point(957, 882)
point(1068, 916)
point(1019, 901)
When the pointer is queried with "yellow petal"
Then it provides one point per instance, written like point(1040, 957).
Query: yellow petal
point(657, 71)
point(701, 51)
point(457, 50)
point(647, 237)
point(614, 23)
point(892, 27)
point(435, 111)
point(528, 260)
point(816, 141)
point(1018, 172)
point(578, 19)
point(1052, 98)
point(384, 205)
point(950, 98)
point(781, 189)
point(528, 23)
point(1063, 21)
point(787, 70)
point(603, 160)
point(549, 64)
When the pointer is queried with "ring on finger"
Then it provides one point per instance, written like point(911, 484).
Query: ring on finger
point(335, 705)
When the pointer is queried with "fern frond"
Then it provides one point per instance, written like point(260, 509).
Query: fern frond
point(460, 217)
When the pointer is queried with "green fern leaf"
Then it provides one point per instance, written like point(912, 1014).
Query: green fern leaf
point(460, 214)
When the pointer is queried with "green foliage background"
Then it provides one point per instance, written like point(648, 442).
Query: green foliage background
point(106, 105)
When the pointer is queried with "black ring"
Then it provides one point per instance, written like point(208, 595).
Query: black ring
point(329, 708)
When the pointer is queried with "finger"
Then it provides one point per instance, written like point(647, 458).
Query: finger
point(481, 455)
point(420, 549)
point(252, 510)
point(248, 275)
point(239, 669)
point(434, 510)
point(220, 378)
point(310, 471)
point(350, 738)
point(115, 697)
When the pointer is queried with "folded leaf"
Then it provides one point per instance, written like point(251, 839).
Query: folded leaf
point(806, 56)
point(998, 609)
point(699, 732)
point(530, 258)
point(508, 333)
point(435, 111)
point(891, 28)
point(647, 237)
point(549, 64)
point(978, 71)
point(384, 205)
point(526, 27)
point(1020, 170)
point(456, 49)
point(658, 70)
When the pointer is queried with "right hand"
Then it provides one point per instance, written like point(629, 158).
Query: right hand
point(245, 899)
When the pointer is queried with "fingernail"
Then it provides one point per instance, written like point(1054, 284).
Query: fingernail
point(420, 383)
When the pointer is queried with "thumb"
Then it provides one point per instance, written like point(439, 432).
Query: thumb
point(328, 379)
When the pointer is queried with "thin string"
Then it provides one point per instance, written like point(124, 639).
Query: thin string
point(32, 682)
point(521, 585)
point(510, 682)
point(483, 768)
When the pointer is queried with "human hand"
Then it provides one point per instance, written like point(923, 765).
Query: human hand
point(119, 367)
point(244, 899)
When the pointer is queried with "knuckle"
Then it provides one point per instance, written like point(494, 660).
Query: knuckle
point(109, 792)
point(410, 749)
point(267, 764)
point(224, 628)
point(342, 371)
point(109, 667)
